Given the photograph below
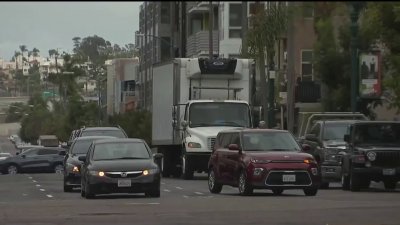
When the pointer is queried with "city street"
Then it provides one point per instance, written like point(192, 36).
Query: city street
point(39, 199)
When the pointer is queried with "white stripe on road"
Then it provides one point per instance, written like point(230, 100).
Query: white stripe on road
point(138, 203)
point(42, 189)
point(179, 188)
point(37, 185)
point(50, 196)
point(166, 190)
point(185, 196)
point(30, 177)
point(24, 194)
point(34, 181)
point(199, 193)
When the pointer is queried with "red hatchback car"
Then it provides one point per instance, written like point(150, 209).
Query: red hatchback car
point(261, 159)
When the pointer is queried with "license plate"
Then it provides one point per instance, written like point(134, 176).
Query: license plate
point(289, 178)
point(389, 172)
point(124, 183)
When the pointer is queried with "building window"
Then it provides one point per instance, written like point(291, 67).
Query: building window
point(235, 15)
point(306, 65)
point(235, 33)
point(165, 13)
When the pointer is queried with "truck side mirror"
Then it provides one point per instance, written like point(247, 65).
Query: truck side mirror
point(346, 138)
point(184, 124)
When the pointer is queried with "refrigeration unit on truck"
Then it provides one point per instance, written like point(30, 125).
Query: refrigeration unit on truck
point(194, 99)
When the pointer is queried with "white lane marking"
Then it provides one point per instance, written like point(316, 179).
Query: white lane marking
point(198, 193)
point(37, 185)
point(30, 177)
point(34, 181)
point(24, 194)
point(50, 196)
point(166, 190)
point(42, 189)
point(179, 188)
point(139, 203)
point(185, 196)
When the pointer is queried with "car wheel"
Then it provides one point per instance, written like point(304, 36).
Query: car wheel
point(390, 184)
point(153, 193)
point(88, 193)
point(355, 182)
point(187, 172)
point(310, 191)
point(12, 169)
point(277, 191)
point(83, 194)
point(67, 188)
point(324, 185)
point(345, 182)
point(244, 186)
point(213, 185)
point(58, 169)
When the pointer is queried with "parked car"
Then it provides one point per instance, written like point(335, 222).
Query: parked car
point(374, 155)
point(4, 155)
point(72, 166)
point(123, 165)
point(43, 159)
point(261, 159)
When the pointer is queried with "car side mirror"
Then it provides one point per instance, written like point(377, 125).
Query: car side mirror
point(306, 148)
point(311, 137)
point(158, 156)
point(346, 138)
point(82, 158)
point(233, 147)
point(184, 124)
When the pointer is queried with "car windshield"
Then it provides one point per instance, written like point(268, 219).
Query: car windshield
point(378, 134)
point(114, 151)
point(269, 141)
point(219, 114)
point(112, 133)
point(81, 146)
point(335, 131)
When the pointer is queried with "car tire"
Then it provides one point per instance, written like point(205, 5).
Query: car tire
point(83, 194)
point(355, 182)
point(243, 184)
point(345, 182)
point(67, 188)
point(213, 185)
point(310, 191)
point(187, 172)
point(58, 168)
point(390, 184)
point(324, 185)
point(88, 193)
point(12, 169)
point(277, 191)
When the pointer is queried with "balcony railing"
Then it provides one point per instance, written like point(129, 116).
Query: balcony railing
point(199, 42)
point(308, 92)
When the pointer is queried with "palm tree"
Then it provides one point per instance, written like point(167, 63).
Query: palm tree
point(23, 49)
point(35, 52)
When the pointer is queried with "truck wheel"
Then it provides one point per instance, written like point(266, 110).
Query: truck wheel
point(355, 182)
point(390, 184)
point(187, 172)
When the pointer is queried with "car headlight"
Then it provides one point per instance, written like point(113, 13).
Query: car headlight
point(194, 145)
point(310, 161)
point(149, 171)
point(97, 173)
point(72, 167)
point(257, 171)
point(260, 161)
point(371, 156)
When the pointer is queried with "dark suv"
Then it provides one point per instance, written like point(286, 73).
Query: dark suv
point(261, 159)
point(72, 166)
point(374, 155)
point(41, 159)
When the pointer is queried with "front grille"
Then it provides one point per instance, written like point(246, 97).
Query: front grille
point(119, 174)
point(210, 143)
point(275, 178)
point(387, 159)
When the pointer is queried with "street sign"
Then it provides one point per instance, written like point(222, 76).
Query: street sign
point(370, 74)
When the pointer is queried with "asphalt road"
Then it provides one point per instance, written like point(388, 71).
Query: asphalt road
point(38, 199)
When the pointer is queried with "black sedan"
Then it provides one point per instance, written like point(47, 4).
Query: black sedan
point(42, 159)
point(123, 165)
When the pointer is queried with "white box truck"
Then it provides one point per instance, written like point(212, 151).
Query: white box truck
point(194, 99)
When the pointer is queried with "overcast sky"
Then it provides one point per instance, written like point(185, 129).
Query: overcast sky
point(48, 25)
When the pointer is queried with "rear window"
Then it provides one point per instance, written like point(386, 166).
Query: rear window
point(112, 133)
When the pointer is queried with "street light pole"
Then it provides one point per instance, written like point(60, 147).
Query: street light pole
point(356, 7)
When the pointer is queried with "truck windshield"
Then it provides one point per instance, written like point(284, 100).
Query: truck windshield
point(219, 114)
point(381, 134)
point(335, 131)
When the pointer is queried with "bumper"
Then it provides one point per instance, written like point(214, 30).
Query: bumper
point(331, 172)
point(106, 185)
point(198, 161)
point(73, 179)
point(378, 173)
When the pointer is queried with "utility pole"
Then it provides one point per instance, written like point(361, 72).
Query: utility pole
point(210, 29)
point(244, 29)
point(290, 74)
point(173, 25)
